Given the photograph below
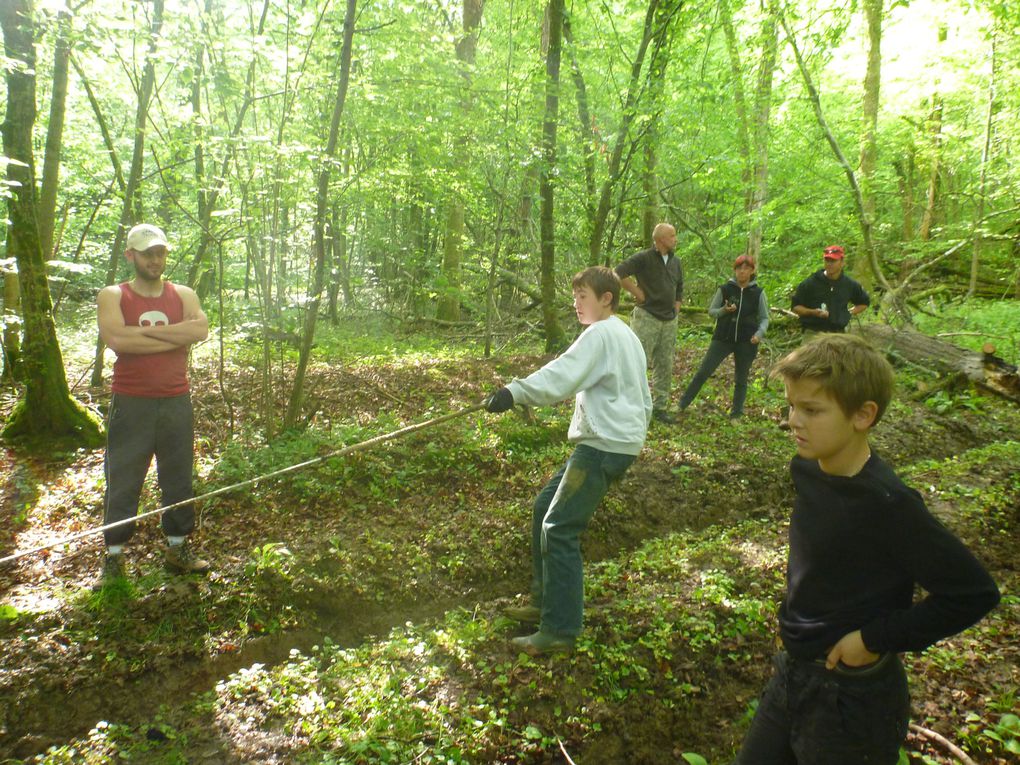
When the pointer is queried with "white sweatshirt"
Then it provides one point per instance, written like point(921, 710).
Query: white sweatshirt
point(605, 368)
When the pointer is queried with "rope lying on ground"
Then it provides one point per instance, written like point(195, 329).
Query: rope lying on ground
point(299, 466)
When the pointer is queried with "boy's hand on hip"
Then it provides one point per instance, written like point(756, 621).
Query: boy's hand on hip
point(851, 651)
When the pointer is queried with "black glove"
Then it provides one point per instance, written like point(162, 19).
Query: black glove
point(500, 401)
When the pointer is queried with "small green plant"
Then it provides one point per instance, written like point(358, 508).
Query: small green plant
point(944, 402)
point(271, 557)
point(1007, 732)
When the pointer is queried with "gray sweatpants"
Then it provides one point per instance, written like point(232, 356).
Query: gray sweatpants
point(138, 430)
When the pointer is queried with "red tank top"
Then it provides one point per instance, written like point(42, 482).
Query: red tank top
point(151, 375)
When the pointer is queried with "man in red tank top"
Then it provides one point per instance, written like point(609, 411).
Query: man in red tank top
point(150, 324)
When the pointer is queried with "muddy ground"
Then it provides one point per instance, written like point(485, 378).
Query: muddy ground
point(70, 661)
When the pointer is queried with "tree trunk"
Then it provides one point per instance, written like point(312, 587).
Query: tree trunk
point(760, 129)
point(12, 328)
point(934, 173)
point(453, 246)
point(872, 86)
point(733, 48)
point(986, 151)
point(54, 136)
point(905, 182)
point(943, 358)
point(322, 208)
point(128, 211)
point(585, 126)
point(47, 417)
point(555, 338)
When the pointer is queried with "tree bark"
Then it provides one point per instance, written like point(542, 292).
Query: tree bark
point(943, 358)
point(986, 152)
point(585, 124)
point(555, 338)
point(760, 129)
point(12, 327)
point(322, 211)
point(47, 415)
point(453, 245)
point(54, 135)
point(733, 48)
point(872, 86)
point(935, 171)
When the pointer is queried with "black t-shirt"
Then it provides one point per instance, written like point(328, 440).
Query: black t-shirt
point(836, 295)
point(858, 546)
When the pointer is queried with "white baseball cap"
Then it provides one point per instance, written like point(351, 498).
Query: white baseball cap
point(143, 236)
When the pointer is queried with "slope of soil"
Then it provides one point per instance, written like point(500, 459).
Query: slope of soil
point(414, 530)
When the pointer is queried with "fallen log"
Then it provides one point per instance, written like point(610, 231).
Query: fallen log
point(983, 368)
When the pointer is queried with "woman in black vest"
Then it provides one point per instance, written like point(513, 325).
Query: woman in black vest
point(741, 314)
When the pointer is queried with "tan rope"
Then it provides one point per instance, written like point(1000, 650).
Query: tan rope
point(299, 466)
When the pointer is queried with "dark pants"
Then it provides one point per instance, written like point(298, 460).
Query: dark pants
point(561, 512)
point(743, 352)
point(810, 715)
point(138, 430)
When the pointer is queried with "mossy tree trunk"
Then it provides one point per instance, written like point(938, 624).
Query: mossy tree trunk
point(47, 412)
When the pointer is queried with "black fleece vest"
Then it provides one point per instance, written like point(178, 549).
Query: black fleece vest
point(739, 326)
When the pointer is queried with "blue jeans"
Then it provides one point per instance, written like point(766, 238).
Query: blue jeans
point(810, 715)
point(743, 356)
point(562, 511)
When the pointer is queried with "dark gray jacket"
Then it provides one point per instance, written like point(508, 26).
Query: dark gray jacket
point(662, 283)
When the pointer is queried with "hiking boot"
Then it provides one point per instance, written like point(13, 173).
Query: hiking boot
point(661, 415)
point(543, 642)
point(524, 614)
point(113, 568)
point(180, 559)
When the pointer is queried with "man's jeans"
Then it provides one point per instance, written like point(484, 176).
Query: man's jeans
point(562, 511)
point(743, 356)
point(138, 429)
point(810, 715)
point(658, 338)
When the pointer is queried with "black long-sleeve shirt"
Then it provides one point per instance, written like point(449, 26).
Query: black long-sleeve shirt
point(835, 294)
point(857, 547)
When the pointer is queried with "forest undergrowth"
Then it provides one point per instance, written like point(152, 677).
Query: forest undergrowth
point(354, 611)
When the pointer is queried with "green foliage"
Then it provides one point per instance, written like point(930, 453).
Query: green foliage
point(109, 743)
point(971, 323)
point(942, 401)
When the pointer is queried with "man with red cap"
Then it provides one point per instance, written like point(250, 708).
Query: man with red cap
point(827, 299)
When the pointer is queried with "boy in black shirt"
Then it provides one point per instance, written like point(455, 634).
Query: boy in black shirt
point(859, 541)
